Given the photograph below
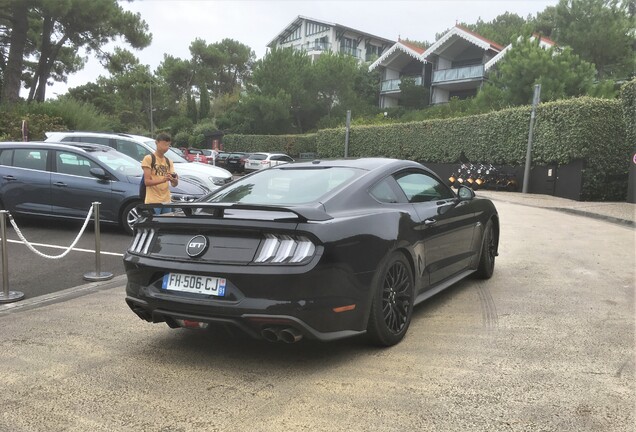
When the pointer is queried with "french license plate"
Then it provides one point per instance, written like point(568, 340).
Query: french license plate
point(194, 284)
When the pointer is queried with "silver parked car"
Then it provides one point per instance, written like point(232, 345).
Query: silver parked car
point(136, 146)
point(258, 161)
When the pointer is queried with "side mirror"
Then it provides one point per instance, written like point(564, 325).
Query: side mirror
point(99, 173)
point(465, 193)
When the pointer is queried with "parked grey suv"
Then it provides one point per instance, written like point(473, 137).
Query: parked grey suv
point(62, 181)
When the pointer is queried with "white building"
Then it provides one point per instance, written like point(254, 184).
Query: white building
point(315, 37)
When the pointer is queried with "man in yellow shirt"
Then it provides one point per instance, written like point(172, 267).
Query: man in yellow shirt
point(157, 174)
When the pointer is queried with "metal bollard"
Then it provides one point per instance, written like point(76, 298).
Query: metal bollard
point(98, 274)
point(6, 296)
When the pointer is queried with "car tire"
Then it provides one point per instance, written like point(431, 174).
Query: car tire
point(392, 302)
point(129, 216)
point(486, 265)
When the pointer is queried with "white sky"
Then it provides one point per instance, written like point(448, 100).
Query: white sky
point(174, 24)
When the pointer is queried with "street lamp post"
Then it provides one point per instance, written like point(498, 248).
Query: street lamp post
point(152, 125)
point(526, 172)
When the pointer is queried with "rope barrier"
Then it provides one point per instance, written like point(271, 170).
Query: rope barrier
point(63, 254)
point(7, 296)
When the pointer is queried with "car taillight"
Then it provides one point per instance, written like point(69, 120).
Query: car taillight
point(285, 249)
point(141, 242)
point(264, 162)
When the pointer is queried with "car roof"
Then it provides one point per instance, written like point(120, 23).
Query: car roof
point(87, 147)
point(140, 138)
point(362, 163)
point(83, 145)
point(269, 154)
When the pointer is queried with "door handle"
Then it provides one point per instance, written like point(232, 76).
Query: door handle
point(9, 178)
point(60, 184)
point(430, 222)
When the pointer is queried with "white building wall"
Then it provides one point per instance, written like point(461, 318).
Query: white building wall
point(388, 101)
point(391, 74)
point(440, 95)
point(443, 63)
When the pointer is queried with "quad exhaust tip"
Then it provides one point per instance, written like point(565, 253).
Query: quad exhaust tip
point(281, 334)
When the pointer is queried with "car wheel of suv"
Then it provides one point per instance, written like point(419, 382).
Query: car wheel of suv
point(129, 216)
point(392, 304)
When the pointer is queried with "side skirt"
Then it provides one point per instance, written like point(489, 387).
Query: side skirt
point(443, 285)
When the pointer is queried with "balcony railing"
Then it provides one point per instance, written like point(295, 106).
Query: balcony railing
point(317, 46)
point(353, 52)
point(394, 84)
point(458, 74)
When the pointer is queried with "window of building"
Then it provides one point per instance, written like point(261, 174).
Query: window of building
point(312, 28)
point(294, 35)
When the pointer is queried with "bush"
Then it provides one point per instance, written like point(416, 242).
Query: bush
point(181, 139)
point(37, 126)
point(74, 114)
point(585, 128)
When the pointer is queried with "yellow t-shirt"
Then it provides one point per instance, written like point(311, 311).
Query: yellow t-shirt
point(157, 194)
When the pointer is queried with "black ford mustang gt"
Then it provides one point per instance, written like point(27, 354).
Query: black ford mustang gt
point(322, 250)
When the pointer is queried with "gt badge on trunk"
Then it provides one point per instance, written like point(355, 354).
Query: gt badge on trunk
point(197, 246)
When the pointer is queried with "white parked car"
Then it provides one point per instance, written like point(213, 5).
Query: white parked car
point(257, 161)
point(210, 177)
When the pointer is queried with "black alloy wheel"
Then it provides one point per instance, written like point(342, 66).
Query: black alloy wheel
point(392, 305)
point(488, 253)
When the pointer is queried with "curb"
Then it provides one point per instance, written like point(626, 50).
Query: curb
point(60, 296)
point(612, 219)
point(607, 218)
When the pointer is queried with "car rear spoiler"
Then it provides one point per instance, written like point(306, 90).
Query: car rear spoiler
point(217, 210)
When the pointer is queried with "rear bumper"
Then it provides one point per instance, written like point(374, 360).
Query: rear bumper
point(251, 324)
point(323, 304)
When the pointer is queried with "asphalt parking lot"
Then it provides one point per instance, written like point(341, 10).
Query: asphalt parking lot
point(547, 344)
point(35, 276)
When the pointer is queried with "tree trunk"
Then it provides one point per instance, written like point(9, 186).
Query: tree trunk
point(40, 93)
point(40, 77)
point(12, 73)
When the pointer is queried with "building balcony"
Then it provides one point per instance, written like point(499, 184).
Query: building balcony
point(393, 85)
point(317, 46)
point(468, 73)
point(353, 52)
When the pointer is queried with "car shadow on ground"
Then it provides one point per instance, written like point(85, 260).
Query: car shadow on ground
point(220, 346)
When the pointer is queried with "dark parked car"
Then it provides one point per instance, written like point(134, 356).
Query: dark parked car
point(235, 162)
point(322, 250)
point(60, 180)
point(220, 159)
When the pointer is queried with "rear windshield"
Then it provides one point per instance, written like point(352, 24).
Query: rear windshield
point(286, 186)
point(258, 156)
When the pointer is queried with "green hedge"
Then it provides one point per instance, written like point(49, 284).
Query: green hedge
point(37, 124)
point(585, 128)
point(292, 145)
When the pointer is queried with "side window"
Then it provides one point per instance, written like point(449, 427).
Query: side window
point(383, 192)
point(94, 140)
point(286, 159)
point(30, 158)
point(420, 187)
point(5, 157)
point(74, 164)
